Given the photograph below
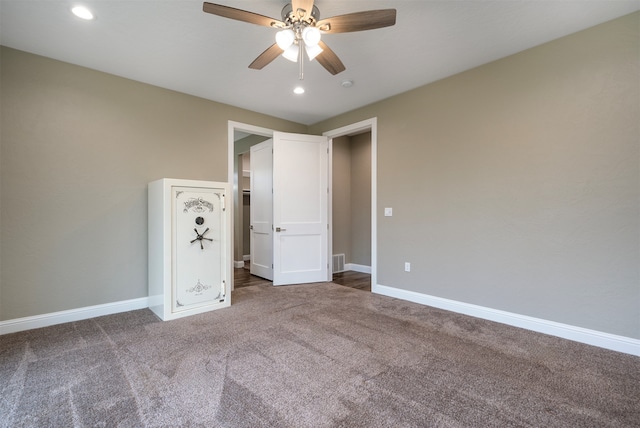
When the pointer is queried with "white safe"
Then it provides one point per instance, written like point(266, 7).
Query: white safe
point(189, 247)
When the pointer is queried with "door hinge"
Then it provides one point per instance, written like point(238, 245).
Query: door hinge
point(222, 202)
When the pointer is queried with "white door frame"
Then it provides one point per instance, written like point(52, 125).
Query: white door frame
point(356, 128)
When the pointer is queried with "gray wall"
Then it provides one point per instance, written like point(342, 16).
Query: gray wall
point(78, 148)
point(515, 185)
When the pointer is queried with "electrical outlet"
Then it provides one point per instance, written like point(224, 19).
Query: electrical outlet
point(407, 267)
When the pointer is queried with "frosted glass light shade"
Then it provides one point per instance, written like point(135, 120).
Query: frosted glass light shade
point(285, 39)
point(313, 51)
point(311, 36)
point(291, 53)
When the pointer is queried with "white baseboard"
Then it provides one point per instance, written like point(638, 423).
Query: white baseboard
point(238, 264)
point(246, 257)
point(45, 320)
point(613, 342)
point(357, 268)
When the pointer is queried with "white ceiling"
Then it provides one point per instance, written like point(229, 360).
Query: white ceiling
point(174, 45)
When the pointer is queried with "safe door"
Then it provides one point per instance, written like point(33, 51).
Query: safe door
point(198, 273)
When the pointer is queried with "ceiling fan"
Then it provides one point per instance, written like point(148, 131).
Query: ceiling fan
point(301, 29)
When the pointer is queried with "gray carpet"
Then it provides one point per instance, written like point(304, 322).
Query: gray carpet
point(317, 355)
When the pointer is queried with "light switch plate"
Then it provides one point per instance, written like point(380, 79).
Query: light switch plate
point(388, 212)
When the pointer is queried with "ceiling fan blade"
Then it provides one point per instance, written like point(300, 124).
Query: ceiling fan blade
point(358, 21)
point(302, 8)
point(241, 15)
point(329, 60)
point(271, 53)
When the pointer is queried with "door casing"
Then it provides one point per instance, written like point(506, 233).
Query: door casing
point(355, 128)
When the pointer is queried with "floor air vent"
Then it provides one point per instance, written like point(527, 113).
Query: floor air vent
point(338, 263)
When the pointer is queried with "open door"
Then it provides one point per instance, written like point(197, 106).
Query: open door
point(261, 229)
point(300, 208)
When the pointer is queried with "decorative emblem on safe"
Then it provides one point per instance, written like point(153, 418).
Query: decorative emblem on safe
point(198, 288)
point(198, 205)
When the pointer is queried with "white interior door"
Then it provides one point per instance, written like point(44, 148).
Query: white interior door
point(300, 208)
point(261, 211)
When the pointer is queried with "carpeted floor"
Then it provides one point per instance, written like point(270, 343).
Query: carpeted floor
point(318, 355)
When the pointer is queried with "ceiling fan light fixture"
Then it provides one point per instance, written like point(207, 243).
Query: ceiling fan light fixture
point(311, 36)
point(291, 53)
point(285, 39)
point(313, 51)
point(301, 20)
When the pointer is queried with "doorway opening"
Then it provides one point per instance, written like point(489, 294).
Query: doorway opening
point(240, 139)
point(353, 216)
point(351, 210)
point(242, 136)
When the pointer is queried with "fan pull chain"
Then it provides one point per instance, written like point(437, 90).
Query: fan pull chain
point(301, 60)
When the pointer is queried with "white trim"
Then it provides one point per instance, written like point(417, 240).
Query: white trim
point(238, 264)
point(246, 257)
point(613, 342)
point(357, 268)
point(46, 320)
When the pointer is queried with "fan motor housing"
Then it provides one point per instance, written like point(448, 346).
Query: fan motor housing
point(289, 17)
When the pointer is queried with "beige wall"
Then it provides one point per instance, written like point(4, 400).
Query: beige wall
point(78, 148)
point(515, 185)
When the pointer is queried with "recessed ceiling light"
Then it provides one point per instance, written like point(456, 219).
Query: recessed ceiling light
point(82, 12)
point(298, 90)
point(347, 83)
